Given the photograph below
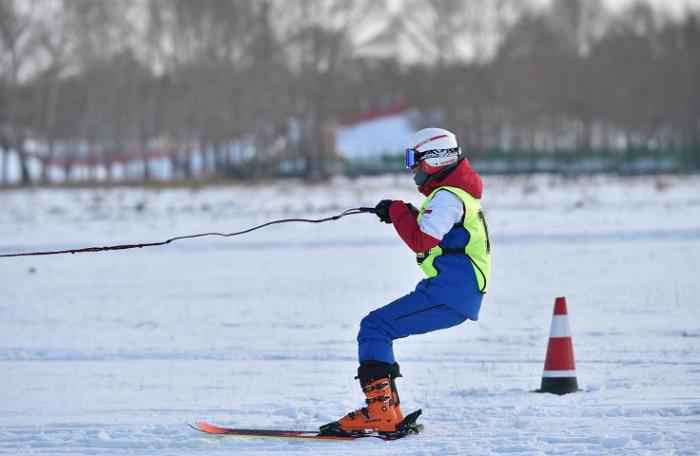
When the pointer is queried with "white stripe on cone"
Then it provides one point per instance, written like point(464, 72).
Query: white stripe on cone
point(557, 374)
point(560, 326)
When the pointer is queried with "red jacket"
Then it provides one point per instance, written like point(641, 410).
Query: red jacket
point(406, 222)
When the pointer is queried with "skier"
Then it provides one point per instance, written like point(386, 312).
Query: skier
point(450, 238)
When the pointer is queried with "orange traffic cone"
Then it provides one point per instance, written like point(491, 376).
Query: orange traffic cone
point(559, 376)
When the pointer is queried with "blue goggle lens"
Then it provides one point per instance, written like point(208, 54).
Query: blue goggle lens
point(412, 158)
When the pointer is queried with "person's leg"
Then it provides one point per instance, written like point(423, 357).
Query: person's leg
point(411, 314)
point(408, 315)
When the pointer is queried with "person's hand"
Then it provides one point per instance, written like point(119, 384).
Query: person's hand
point(382, 210)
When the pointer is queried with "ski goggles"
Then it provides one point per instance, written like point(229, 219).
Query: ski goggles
point(413, 157)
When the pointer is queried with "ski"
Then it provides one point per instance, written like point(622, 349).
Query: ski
point(408, 426)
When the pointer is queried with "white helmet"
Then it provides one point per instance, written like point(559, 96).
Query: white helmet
point(432, 150)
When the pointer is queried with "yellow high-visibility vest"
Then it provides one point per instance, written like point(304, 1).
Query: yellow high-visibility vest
point(478, 249)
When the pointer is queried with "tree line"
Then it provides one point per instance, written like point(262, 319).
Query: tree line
point(245, 84)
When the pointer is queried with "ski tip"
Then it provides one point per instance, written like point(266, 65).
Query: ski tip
point(204, 426)
point(197, 426)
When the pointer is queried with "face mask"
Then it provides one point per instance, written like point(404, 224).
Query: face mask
point(420, 177)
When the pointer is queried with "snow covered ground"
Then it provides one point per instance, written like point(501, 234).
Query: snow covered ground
point(113, 353)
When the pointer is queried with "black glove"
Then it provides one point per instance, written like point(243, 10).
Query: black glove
point(382, 210)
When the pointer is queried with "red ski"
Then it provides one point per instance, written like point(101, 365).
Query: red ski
point(408, 426)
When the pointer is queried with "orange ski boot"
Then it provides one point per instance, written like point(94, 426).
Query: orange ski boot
point(382, 412)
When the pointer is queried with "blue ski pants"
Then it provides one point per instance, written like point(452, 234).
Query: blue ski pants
point(418, 312)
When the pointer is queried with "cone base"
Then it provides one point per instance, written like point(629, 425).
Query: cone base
point(558, 385)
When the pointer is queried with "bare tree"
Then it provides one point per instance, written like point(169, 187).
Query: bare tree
point(56, 41)
point(318, 35)
point(16, 51)
point(247, 83)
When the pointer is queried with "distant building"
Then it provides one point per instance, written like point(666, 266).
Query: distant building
point(373, 135)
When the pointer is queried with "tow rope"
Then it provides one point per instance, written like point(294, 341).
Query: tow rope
point(354, 211)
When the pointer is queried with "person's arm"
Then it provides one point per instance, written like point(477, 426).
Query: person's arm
point(443, 212)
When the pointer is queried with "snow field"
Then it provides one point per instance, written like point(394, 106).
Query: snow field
point(112, 353)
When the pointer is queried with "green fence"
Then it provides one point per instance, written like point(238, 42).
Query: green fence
point(600, 161)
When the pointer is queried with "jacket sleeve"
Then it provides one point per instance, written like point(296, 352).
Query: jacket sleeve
point(406, 224)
